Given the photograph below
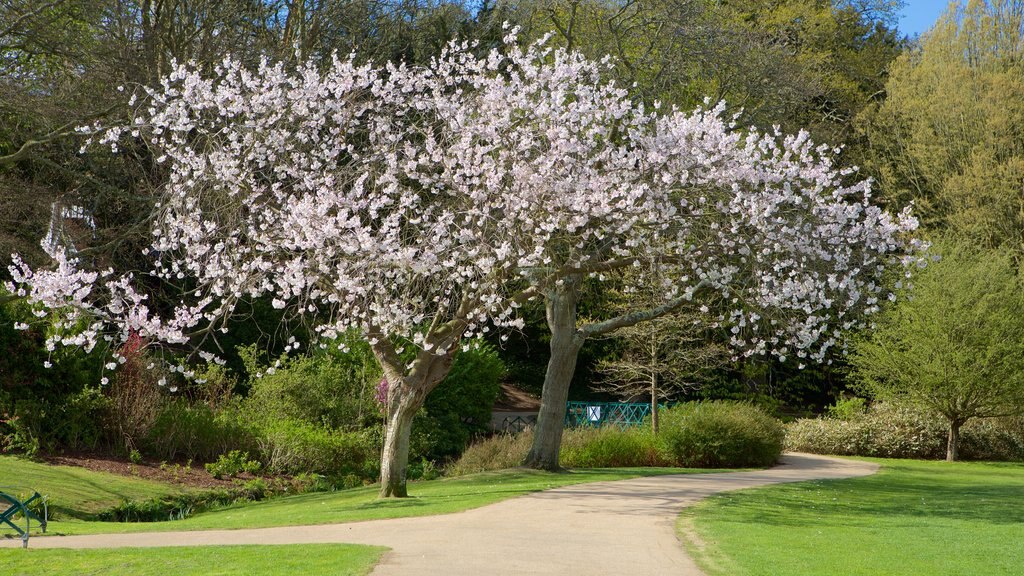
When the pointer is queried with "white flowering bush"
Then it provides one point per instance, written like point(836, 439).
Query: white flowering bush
point(898, 431)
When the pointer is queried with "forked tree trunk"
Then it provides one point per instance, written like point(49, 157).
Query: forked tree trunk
point(406, 395)
point(565, 348)
point(953, 444)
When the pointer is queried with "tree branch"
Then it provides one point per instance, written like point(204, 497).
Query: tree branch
point(17, 22)
point(626, 320)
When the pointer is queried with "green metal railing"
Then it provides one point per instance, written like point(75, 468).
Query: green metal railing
point(15, 507)
point(597, 414)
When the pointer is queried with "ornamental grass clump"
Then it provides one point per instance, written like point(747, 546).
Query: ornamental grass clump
point(720, 435)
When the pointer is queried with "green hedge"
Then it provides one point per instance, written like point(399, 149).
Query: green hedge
point(720, 435)
point(696, 434)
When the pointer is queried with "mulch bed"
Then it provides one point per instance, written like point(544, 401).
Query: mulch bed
point(179, 473)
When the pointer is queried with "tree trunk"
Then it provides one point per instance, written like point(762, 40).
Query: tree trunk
point(565, 347)
point(654, 403)
point(394, 460)
point(406, 394)
point(952, 445)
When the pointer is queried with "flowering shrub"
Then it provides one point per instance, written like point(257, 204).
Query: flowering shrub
point(895, 431)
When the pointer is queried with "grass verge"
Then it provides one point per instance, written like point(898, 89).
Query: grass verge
point(429, 497)
point(911, 518)
point(333, 559)
point(73, 491)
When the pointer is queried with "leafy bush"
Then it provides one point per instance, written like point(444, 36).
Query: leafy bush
point(610, 447)
point(460, 407)
point(196, 432)
point(45, 408)
point(233, 463)
point(294, 446)
point(900, 431)
point(847, 408)
point(720, 435)
point(330, 387)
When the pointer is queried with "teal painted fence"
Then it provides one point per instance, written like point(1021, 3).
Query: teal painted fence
point(596, 414)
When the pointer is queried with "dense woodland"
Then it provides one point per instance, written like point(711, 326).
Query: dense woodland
point(936, 121)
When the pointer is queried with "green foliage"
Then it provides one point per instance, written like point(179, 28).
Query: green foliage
point(43, 408)
point(900, 431)
point(194, 431)
point(955, 345)
point(950, 134)
point(499, 452)
point(720, 435)
point(231, 464)
point(705, 434)
point(848, 408)
point(290, 446)
point(460, 407)
point(329, 387)
point(886, 430)
point(610, 447)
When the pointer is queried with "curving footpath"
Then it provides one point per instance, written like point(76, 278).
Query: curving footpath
point(621, 527)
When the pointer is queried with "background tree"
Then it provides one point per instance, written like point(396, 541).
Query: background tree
point(800, 64)
point(949, 134)
point(955, 346)
point(662, 358)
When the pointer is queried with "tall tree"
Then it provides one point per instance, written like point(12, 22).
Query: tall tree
point(950, 134)
point(765, 233)
point(421, 204)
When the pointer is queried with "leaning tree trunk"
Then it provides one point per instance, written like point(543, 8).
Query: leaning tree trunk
point(953, 444)
point(565, 348)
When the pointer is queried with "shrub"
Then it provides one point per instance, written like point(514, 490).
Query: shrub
point(847, 408)
point(233, 463)
point(498, 452)
point(330, 387)
point(43, 408)
point(292, 446)
point(196, 432)
point(720, 435)
point(899, 431)
point(610, 447)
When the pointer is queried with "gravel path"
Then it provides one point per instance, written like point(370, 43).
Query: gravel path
point(603, 528)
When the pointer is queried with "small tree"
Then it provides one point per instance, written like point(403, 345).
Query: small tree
point(661, 358)
point(955, 345)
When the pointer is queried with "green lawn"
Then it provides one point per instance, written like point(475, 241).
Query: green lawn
point(75, 491)
point(912, 518)
point(431, 497)
point(326, 559)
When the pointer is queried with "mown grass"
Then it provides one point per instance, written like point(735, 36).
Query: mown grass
point(430, 497)
point(75, 491)
point(911, 518)
point(326, 559)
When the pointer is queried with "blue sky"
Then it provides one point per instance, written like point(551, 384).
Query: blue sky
point(919, 15)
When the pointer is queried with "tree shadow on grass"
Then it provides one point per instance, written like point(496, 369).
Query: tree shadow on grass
point(898, 494)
